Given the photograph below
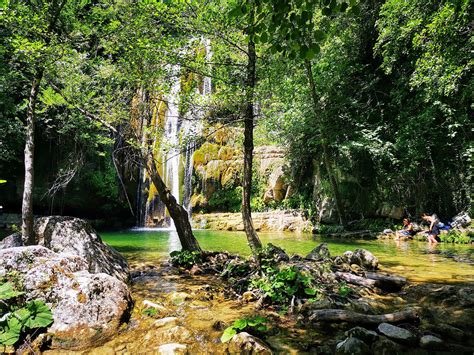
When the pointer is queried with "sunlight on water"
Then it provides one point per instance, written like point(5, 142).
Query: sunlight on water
point(414, 260)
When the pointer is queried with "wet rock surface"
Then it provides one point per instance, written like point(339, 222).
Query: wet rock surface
point(352, 346)
point(396, 333)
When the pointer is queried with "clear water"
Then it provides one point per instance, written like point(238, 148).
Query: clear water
point(415, 260)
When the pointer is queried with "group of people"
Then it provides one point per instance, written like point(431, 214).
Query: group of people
point(409, 230)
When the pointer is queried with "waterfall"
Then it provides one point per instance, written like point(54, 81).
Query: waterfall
point(178, 130)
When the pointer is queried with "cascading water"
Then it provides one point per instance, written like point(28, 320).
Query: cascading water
point(176, 131)
point(171, 139)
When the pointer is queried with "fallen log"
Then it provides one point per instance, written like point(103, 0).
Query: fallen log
point(387, 281)
point(340, 315)
point(355, 280)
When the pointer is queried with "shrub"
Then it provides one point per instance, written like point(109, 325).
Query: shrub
point(185, 258)
point(280, 285)
point(251, 325)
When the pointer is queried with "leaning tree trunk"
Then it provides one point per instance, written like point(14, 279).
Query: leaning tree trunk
point(177, 212)
point(27, 203)
point(252, 237)
point(326, 156)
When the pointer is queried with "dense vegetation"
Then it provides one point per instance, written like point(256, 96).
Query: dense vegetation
point(388, 119)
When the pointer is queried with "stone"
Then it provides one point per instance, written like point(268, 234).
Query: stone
point(175, 334)
point(158, 307)
point(172, 348)
point(352, 346)
point(384, 346)
point(461, 220)
point(179, 298)
point(465, 296)
point(448, 331)
point(75, 236)
point(321, 252)
point(396, 333)
point(166, 322)
point(88, 309)
point(245, 343)
point(431, 342)
point(367, 336)
point(364, 258)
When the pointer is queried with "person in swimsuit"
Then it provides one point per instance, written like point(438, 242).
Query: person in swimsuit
point(433, 233)
point(407, 231)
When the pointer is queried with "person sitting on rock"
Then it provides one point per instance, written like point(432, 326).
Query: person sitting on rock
point(433, 233)
point(407, 231)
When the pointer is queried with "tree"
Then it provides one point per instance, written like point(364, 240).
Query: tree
point(292, 30)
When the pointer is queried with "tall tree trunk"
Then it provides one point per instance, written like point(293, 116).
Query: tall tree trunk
point(324, 143)
point(177, 212)
point(252, 237)
point(27, 203)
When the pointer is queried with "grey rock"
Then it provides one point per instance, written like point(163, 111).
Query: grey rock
point(367, 336)
point(352, 346)
point(12, 241)
point(431, 342)
point(365, 259)
point(448, 331)
point(87, 309)
point(396, 333)
point(384, 346)
point(321, 252)
point(245, 343)
point(166, 322)
point(75, 236)
point(466, 296)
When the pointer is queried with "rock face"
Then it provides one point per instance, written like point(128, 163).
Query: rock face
point(75, 236)
point(87, 308)
point(292, 221)
point(396, 333)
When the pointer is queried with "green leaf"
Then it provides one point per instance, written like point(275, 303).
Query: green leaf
point(3, 181)
point(22, 314)
point(228, 334)
point(240, 323)
point(10, 331)
point(319, 35)
point(41, 315)
point(310, 291)
point(7, 291)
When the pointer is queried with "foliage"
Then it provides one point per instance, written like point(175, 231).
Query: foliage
point(455, 236)
point(150, 312)
point(185, 258)
point(251, 325)
point(281, 284)
point(18, 317)
point(226, 198)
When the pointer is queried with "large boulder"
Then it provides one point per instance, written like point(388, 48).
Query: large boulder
point(75, 236)
point(87, 309)
point(321, 252)
point(352, 346)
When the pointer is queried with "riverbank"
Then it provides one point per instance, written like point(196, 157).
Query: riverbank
point(278, 220)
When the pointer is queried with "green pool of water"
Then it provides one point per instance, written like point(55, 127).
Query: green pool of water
point(414, 260)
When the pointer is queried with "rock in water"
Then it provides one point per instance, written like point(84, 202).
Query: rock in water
point(171, 349)
point(76, 236)
point(87, 309)
point(247, 344)
point(321, 252)
point(352, 346)
point(431, 342)
point(396, 333)
point(363, 258)
point(367, 336)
